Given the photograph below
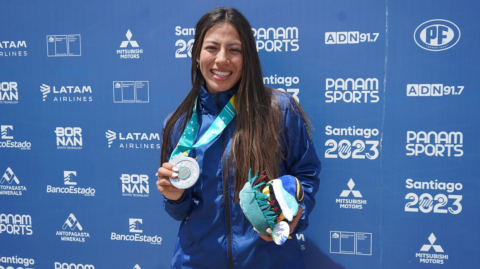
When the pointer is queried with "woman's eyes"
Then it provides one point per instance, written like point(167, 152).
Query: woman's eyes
point(215, 48)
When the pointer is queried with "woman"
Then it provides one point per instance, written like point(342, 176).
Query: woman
point(269, 132)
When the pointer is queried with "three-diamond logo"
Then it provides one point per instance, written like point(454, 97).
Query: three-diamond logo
point(132, 43)
point(9, 176)
point(438, 257)
point(69, 177)
point(432, 240)
point(7, 131)
point(45, 89)
point(137, 266)
point(111, 135)
point(350, 185)
point(72, 223)
point(134, 225)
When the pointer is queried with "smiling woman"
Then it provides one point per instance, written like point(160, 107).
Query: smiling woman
point(228, 123)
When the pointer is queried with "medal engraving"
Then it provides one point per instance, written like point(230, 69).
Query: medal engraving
point(188, 171)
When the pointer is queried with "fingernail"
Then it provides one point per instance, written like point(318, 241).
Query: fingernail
point(156, 174)
point(269, 230)
point(175, 169)
point(174, 175)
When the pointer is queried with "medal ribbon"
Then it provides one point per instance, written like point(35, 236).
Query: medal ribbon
point(218, 125)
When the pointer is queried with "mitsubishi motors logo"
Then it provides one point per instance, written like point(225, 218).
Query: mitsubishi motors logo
point(346, 193)
point(132, 43)
point(432, 240)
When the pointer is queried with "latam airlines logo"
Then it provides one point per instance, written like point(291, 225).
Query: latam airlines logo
point(7, 139)
point(351, 203)
point(437, 258)
point(6, 184)
point(9, 93)
point(13, 48)
point(69, 137)
point(67, 93)
point(134, 140)
point(69, 178)
point(16, 224)
point(437, 35)
point(134, 226)
point(134, 51)
point(72, 230)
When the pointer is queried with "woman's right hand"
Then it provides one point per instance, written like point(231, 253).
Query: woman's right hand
point(164, 185)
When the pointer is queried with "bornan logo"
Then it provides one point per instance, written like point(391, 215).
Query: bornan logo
point(135, 185)
point(65, 265)
point(69, 137)
point(64, 45)
point(429, 257)
point(352, 37)
point(132, 53)
point(67, 93)
point(433, 90)
point(435, 144)
point(9, 93)
point(10, 185)
point(15, 260)
point(134, 227)
point(273, 81)
point(276, 39)
point(437, 35)
point(7, 134)
point(134, 140)
point(351, 203)
point(69, 180)
point(72, 230)
point(131, 92)
point(16, 224)
point(13, 48)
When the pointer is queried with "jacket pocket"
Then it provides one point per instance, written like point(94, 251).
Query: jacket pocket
point(185, 234)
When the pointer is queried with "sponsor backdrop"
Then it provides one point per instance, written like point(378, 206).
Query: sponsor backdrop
point(391, 86)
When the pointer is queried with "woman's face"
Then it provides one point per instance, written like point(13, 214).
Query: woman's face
point(221, 58)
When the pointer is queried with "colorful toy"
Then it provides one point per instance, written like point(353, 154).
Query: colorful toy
point(270, 208)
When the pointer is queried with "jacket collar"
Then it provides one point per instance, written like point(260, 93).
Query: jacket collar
point(209, 103)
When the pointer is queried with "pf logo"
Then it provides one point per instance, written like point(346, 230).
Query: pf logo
point(437, 35)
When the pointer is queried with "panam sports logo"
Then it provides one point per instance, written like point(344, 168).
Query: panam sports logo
point(351, 90)
point(437, 35)
point(134, 226)
point(133, 140)
point(16, 224)
point(435, 144)
point(9, 93)
point(281, 39)
point(10, 185)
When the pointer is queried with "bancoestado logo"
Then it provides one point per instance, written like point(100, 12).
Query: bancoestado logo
point(281, 39)
point(12, 261)
point(69, 137)
point(433, 90)
point(134, 140)
point(135, 185)
point(67, 93)
point(351, 203)
point(440, 203)
point(134, 227)
point(69, 181)
point(351, 90)
point(437, 35)
point(64, 265)
point(437, 257)
point(13, 48)
point(343, 148)
point(435, 144)
point(129, 49)
point(16, 224)
point(7, 140)
point(9, 93)
point(73, 235)
point(350, 37)
point(275, 81)
point(6, 184)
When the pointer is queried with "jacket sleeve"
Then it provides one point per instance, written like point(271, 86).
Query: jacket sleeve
point(179, 209)
point(301, 160)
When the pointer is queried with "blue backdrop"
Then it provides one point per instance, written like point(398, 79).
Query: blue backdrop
point(390, 87)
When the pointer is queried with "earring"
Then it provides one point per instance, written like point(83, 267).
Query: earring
point(198, 66)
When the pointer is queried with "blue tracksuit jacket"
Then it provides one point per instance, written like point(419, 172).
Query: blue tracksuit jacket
point(215, 233)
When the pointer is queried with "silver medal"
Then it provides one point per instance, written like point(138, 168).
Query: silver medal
point(188, 171)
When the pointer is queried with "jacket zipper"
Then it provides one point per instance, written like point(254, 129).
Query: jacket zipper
point(226, 196)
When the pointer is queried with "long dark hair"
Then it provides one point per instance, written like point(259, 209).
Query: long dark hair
point(256, 142)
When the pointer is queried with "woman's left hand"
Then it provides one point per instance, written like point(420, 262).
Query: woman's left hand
point(292, 225)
